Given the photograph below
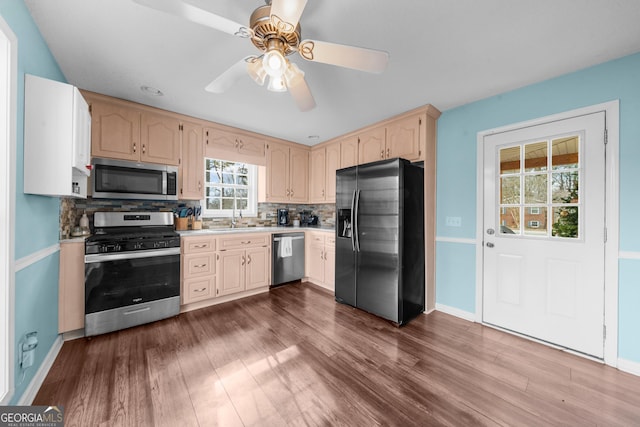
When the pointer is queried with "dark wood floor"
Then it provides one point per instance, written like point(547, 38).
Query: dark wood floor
point(295, 357)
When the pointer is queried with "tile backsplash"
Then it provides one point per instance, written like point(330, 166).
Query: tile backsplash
point(72, 209)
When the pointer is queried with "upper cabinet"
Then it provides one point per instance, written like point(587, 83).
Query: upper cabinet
point(349, 151)
point(57, 129)
point(230, 144)
point(123, 131)
point(372, 145)
point(406, 137)
point(287, 177)
point(192, 162)
point(324, 161)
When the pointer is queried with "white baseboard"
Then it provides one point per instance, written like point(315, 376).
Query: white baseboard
point(466, 315)
point(31, 390)
point(629, 366)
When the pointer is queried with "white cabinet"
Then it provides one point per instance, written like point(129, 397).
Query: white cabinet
point(57, 139)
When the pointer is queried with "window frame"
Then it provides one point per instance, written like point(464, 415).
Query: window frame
point(252, 188)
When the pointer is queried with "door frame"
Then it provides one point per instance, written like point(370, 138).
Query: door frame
point(8, 125)
point(612, 191)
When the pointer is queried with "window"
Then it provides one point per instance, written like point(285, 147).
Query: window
point(231, 188)
point(534, 211)
point(534, 224)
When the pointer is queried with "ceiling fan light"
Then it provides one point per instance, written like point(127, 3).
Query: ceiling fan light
point(276, 84)
point(274, 63)
point(256, 71)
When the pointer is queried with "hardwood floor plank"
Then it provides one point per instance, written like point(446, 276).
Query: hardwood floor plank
point(293, 356)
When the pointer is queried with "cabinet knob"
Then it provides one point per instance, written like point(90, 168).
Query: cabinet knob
point(248, 259)
point(382, 154)
point(243, 260)
point(134, 147)
point(144, 149)
point(388, 151)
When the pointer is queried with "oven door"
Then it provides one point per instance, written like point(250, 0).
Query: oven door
point(116, 280)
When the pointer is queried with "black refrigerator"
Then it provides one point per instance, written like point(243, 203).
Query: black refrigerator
point(380, 238)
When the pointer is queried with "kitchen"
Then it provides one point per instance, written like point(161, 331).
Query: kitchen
point(36, 230)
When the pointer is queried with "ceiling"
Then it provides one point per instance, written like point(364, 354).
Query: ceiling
point(442, 52)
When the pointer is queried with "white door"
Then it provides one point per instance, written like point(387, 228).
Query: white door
point(544, 205)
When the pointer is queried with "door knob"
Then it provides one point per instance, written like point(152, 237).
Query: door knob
point(489, 245)
point(490, 231)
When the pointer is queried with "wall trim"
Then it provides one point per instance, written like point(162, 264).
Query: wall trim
point(629, 366)
point(456, 240)
point(466, 315)
point(33, 258)
point(628, 255)
point(612, 213)
point(37, 380)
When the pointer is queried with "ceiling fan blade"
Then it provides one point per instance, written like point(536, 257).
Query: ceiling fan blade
point(198, 15)
point(357, 58)
point(225, 80)
point(285, 14)
point(301, 94)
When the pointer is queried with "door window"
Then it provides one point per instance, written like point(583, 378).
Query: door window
point(539, 188)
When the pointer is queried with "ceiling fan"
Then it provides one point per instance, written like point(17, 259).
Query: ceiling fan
point(274, 29)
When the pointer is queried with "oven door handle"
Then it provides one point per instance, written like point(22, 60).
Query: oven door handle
point(118, 256)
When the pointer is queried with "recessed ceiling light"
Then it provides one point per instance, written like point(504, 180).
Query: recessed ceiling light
point(314, 137)
point(150, 90)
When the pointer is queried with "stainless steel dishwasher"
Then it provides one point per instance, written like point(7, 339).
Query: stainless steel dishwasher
point(287, 262)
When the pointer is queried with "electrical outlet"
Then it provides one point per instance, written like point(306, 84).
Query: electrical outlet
point(263, 215)
point(453, 221)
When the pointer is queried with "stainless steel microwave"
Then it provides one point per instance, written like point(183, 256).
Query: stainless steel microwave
point(120, 179)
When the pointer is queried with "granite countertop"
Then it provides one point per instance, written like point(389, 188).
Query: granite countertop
point(254, 230)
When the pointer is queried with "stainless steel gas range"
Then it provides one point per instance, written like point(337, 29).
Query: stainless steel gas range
point(132, 270)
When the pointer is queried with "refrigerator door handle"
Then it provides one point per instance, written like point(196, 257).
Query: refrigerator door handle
point(353, 229)
point(356, 231)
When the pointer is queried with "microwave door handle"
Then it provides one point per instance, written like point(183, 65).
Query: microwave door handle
point(164, 182)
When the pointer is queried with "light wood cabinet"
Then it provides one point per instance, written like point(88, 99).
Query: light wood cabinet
point(320, 259)
point(349, 152)
point(323, 164)
point(198, 268)
point(287, 173)
point(122, 131)
point(192, 162)
point(159, 138)
point(372, 145)
point(406, 137)
point(243, 263)
point(224, 144)
point(71, 287)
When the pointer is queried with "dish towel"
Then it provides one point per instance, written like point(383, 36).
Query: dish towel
point(286, 249)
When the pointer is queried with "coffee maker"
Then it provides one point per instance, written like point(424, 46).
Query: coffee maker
point(283, 217)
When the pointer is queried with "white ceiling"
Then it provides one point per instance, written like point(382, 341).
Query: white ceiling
point(442, 52)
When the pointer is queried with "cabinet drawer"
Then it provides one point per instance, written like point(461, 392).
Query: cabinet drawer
point(317, 238)
point(198, 289)
point(198, 265)
point(243, 241)
point(191, 245)
point(330, 240)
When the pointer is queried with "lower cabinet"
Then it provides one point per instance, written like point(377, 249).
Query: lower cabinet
point(71, 286)
point(214, 267)
point(243, 263)
point(320, 259)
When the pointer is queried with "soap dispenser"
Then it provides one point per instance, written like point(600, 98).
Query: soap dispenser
point(84, 224)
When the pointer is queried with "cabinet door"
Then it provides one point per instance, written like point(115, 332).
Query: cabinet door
point(299, 179)
point(403, 138)
point(314, 258)
point(318, 170)
point(372, 146)
point(231, 269)
point(277, 173)
point(251, 149)
point(71, 287)
point(192, 163)
point(349, 152)
point(330, 264)
point(115, 131)
point(257, 271)
point(332, 163)
point(160, 139)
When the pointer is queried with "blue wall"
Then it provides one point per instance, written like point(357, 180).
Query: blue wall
point(36, 217)
point(456, 190)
